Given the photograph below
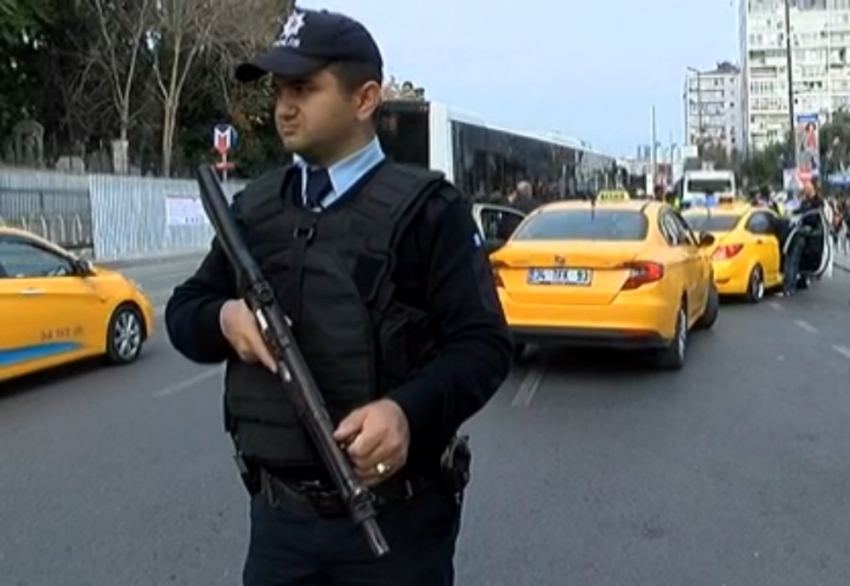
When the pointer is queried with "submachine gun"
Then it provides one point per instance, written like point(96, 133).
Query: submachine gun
point(292, 369)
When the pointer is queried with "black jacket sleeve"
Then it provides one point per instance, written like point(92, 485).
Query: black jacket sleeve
point(192, 312)
point(461, 301)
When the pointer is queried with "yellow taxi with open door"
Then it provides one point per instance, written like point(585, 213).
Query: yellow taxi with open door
point(747, 256)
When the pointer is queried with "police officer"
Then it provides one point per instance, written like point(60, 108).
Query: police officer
point(380, 268)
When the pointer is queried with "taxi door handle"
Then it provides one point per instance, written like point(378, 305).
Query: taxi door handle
point(759, 241)
point(32, 291)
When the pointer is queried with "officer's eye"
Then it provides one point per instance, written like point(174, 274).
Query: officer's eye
point(292, 87)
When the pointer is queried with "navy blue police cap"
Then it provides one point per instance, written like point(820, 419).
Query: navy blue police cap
point(310, 40)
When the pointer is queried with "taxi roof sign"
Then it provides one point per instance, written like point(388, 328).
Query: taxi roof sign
point(613, 195)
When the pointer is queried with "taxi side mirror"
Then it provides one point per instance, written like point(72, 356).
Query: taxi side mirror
point(83, 267)
point(705, 239)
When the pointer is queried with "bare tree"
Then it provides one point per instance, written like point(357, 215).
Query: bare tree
point(123, 27)
point(186, 29)
point(240, 40)
point(182, 29)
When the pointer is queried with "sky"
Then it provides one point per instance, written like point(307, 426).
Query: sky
point(589, 69)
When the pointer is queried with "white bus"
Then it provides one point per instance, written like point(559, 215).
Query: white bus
point(700, 185)
point(485, 161)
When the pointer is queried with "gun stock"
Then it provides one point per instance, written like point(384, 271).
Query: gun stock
point(292, 368)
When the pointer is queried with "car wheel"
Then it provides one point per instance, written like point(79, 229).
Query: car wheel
point(672, 357)
point(755, 287)
point(712, 309)
point(125, 335)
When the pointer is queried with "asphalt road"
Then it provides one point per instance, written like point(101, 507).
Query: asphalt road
point(589, 469)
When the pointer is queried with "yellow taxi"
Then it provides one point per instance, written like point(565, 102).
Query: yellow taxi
point(626, 274)
point(747, 255)
point(56, 308)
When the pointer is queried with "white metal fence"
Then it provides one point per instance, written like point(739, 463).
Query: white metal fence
point(106, 216)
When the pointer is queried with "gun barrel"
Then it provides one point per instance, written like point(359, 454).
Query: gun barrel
point(215, 204)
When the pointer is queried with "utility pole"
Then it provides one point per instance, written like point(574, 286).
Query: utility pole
point(789, 63)
point(654, 152)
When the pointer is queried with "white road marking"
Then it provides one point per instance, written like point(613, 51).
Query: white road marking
point(190, 382)
point(843, 350)
point(775, 305)
point(528, 387)
point(806, 326)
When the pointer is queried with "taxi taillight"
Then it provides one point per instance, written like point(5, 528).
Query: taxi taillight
point(726, 251)
point(642, 273)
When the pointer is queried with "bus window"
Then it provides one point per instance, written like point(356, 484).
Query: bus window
point(403, 129)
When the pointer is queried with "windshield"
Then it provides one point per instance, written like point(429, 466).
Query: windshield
point(610, 225)
point(709, 186)
point(702, 222)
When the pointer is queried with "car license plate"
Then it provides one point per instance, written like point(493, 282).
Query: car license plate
point(559, 277)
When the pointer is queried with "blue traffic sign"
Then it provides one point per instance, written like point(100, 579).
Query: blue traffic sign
point(225, 138)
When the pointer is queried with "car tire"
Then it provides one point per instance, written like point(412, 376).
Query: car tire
point(712, 309)
point(672, 357)
point(755, 285)
point(125, 335)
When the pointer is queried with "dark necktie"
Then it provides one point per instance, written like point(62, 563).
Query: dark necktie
point(318, 186)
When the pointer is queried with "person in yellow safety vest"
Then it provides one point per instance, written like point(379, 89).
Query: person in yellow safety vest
point(779, 205)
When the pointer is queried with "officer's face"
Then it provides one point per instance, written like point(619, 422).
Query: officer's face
point(316, 118)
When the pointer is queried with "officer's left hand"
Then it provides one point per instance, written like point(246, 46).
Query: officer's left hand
point(375, 434)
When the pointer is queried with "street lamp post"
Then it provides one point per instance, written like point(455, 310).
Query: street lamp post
point(654, 155)
point(789, 63)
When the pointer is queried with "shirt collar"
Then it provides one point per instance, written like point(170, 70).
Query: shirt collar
point(345, 173)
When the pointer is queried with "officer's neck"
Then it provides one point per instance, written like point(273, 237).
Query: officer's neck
point(346, 150)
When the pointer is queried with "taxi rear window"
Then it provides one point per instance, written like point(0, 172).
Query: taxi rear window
point(601, 224)
point(712, 223)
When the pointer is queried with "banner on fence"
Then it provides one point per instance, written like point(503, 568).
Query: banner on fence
point(184, 210)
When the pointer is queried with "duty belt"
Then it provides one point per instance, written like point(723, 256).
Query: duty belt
point(323, 499)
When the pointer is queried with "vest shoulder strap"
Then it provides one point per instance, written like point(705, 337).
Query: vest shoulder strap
point(390, 201)
point(264, 188)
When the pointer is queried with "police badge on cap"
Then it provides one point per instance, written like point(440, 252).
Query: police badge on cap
point(310, 40)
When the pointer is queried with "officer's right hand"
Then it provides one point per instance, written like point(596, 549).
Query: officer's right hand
point(240, 329)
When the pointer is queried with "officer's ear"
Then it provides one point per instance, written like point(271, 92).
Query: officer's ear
point(370, 101)
point(360, 83)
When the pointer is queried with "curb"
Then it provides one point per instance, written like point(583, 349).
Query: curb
point(844, 267)
point(148, 260)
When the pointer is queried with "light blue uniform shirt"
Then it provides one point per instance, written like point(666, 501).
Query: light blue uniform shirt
point(344, 174)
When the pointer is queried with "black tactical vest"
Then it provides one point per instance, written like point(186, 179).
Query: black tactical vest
point(331, 272)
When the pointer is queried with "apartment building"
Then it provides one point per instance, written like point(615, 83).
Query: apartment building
point(820, 72)
point(713, 108)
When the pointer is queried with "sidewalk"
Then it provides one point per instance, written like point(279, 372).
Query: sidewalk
point(842, 260)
